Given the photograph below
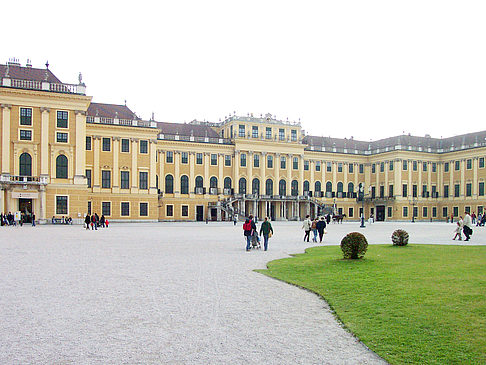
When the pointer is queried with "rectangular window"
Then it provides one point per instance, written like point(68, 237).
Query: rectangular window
point(106, 179)
point(243, 159)
point(446, 167)
point(382, 167)
point(88, 177)
point(185, 210)
point(106, 208)
point(373, 168)
point(457, 190)
point(457, 165)
point(350, 168)
point(62, 205)
point(62, 119)
point(125, 180)
point(25, 116)
point(184, 157)
point(446, 191)
point(89, 207)
point(199, 158)
point(25, 135)
point(281, 134)
point(390, 191)
point(361, 168)
point(270, 161)
point(106, 144)
point(481, 189)
point(143, 146)
point(390, 212)
point(254, 131)
point(469, 164)
point(268, 133)
point(88, 143)
point(61, 137)
point(350, 212)
point(328, 167)
point(373, 192)
point(404, 190)
point(414, 166)
point(256, 160)
point(293, 135)
point(169, 210)
point(444, 212)
point(405, 212)
point(480, 209)
point(318, 166)
point(306, 165)
point(434, 191)
point(390, 165)
point(434, 167)
point(424, 191)
point(455, 211)
point(424, 212)
point(414, 190)
point(227, 160)
point(143, 209)
point(415, 211)
point(404, 165)
point(424, 166)
point(481, 162)
point(125, 209)
point(283, 162)
point(468, 189)
point(340, 167)
point(214, 159)
point(434, 212)
point(169, 157)
point(467, 210)
point(241, 130)
point(295, 163)
point(143, 180)
point(125, 145)
point(382, 191)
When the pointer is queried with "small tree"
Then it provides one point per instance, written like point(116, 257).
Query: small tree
point(399, 237)
point(354, 245)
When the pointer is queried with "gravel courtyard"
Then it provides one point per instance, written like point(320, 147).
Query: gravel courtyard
point(171, 293)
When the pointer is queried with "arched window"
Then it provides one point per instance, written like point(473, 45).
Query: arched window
point(340, 187)
point(269, 187)
point(282, 187)
point(294, 187)
point(328, 187)
point(317, 186)
point(169, 184)
point(199, 182)
point(184, 184)
point(255, 186)
point(25, 164)
point(213, 182)
point(306, 186)
point(350, 187)
point(242, 186)
point(227, 182)
point(61, 167)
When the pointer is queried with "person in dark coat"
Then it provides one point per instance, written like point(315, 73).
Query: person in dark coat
point(87, 221)
point(320, 228)
point(265, 229)
point(93, 222)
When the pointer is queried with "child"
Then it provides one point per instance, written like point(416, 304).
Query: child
point(458, 231)
point(106, 223)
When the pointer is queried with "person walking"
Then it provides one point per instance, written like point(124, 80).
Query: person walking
point(458, 231)
point(87, 221)
point(33, 220)
point(467, 226)
point(93, 222)
point(314, 230)
point(321, 225)
point(306, 226)
point(247, 231)
point(267, 230)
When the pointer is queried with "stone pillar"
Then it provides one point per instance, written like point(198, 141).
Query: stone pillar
point(463, 179)
point(475, 182)
point(43, 208)
point(236, 166)
point(312, 166)
point(206, 172)
point(264, 172)
point(134, 187)
point(153, 167)
point(220, 173)
point(192, 156)
point(289, 174)
point(80, 151)
point(96, 163)
point(301, 175)
point(249, 163)
point(420, 172)
point(6, 138)
point(277, 174)
point(44, 145)
point(177, 177)
point(398, 177)
point(116, 167)
point(2, 199)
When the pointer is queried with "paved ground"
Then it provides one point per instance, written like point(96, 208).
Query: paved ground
point(173, 293)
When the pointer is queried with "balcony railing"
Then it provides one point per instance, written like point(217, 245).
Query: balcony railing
point(14, 179)
point(44, 86)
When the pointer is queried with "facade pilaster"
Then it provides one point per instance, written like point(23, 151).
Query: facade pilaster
point(134, 187)
point(96, 163)
point(153, 167)
point(206, 171)
point(6, 138)
point(475, 182)
point(192, 162)
point(80, 149)
point(177, 173)
point(44, 146)
point(116, 165)
point(220, 172)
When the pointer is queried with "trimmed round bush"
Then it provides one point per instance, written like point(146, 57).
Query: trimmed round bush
point(354, 245)
point(399, 237)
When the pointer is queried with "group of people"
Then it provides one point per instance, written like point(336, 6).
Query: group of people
point(94, 221)
point(250, 231)
point(464, 226)
point(9, 219)
point(317, 226)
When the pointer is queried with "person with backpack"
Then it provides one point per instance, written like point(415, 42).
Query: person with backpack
point(249, 228)
point(306, 226)
point(267, 230)
point(321, 225)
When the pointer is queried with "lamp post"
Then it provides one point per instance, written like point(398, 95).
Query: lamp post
point(360, 197)
point(413, 202)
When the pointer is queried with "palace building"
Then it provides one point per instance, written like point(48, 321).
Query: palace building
point(64, 155)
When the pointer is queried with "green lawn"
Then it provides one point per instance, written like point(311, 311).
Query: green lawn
point(418, 304)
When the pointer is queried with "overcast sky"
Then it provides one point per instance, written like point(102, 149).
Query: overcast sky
point(368, 69)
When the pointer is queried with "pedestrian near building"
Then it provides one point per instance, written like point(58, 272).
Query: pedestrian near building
point(467, 226)
point(267, 230)
point(306, 226)
point(33, 220)
point(87, 221)
point(457, 232)
point(321, 227)
point(314, 230)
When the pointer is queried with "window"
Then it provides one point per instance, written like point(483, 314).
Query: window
point(282, 188)
point(317, 186)
point(350, 212)
point(106, 208)
point(350, 187)
point(227, 160)
point(241, 130)
point(61, 137)
point(89, 208)
point(373, 192)
point(446, 191)
point(414, 166)
point(434, 191)
point(25, 135)
point(468, 189)
point(404, 190)
point(434, 167)
point(404, 165)
point(283, 162)
point(434, 212)
point(390, 212)
point(125, 180)
point(184, 157)
point(169, 210)
point(106, 142)
point(328, 167)
point(414, 190)
point(269, 187)
point(350, 168)
point(481, 189)
point(424, 212)
point(294, 188)
point(295, 163)
point(243, 159)
point(144, 209)
point(61, 167)
point(469, 164)
point(444, 212)
point(415, 211)
point(405, 212)
point(213, 185)
point(143, 180)
point(382, 191)
point(281, 134)
point(457, 165)
point(62, 119)
point(106, 179)
point(361, 168)
point(340, 167)
point(125, 209)
point(446, 167)
point(456, 190)
point(185, 210)
point(199, 158)
point(268, 133)
point(382, 167)
point(424, 191)
point(306, 186)
point(390, 165)
point(214, 159)
point(270, 161)
point(481, 162)
point(169, 184)
point(455, 211)
point(373, 168)
point(256, 160)
point(88, 143)
point(306, 165)
point(424, 166)
point(88, 177)
point(169, 157)
point(143, 146)
point(125, 145)
point(390, 191)
point(25, 116)
point(293, 135)
point(227, 184)
point(184, 184)
point(254, 131)
point(62, 205)
point(318, 166)
point(242, 186)
point(255, 186)
point(25, 164)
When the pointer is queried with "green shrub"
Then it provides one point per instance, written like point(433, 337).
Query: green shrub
point(399, 237)
point(354, 245)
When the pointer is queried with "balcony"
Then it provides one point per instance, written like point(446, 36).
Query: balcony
point(79, 89)
point(24, 180)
